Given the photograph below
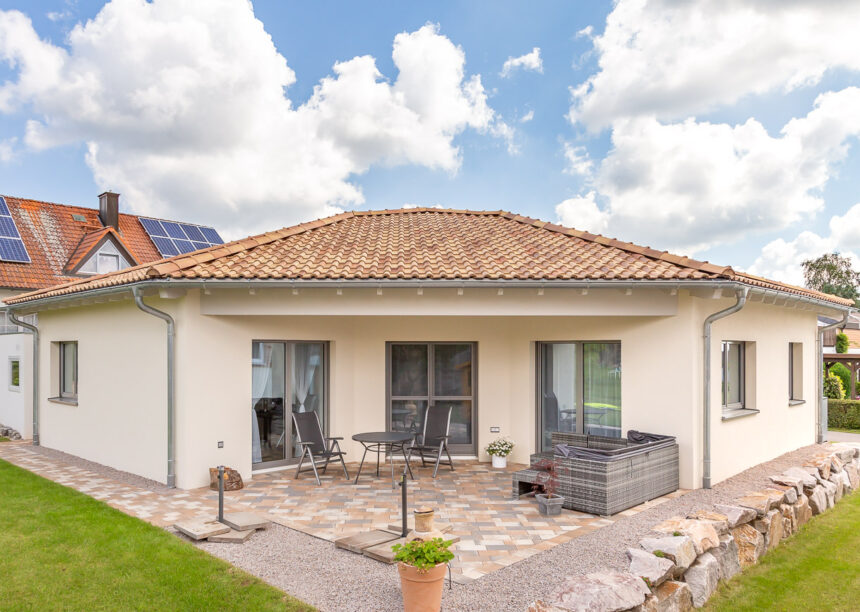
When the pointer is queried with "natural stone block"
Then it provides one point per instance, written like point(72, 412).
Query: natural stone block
point(790, 481)
point(750, 544)
point(789, 514)
point(718, 521)
point(835, 463)
point(806, 479)
point(830, 492)
point(813, 471)
point(836, 480)
point(853, 475)
point(737, 515)
point(822, 464)
point(678, 549)
point(845, 453)
point(726, 555)
point(761, 501)
point(818, 500)
point(655, 570)
point(802, 511)
point(702, 578)
point(608, 591)
point(774, 528)
point(703, 534)
point(674, 597)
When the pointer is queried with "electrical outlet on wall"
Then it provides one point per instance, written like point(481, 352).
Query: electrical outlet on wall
point(220, 443)
point(495, 429)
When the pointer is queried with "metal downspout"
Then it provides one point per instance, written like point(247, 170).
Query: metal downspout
point(706, 403)
point(35, 331)
point(171, 449)
point(820, 417)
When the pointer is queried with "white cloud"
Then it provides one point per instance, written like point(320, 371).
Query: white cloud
point(527, 117)
point(182, 106)
point(583, 213)
point(672, 59)
point(7, 149)
point(529, 61)
point(578, 160)
point(780, 259)
point(694, 184)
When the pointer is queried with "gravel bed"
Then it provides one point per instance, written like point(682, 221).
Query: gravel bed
point(334, 580)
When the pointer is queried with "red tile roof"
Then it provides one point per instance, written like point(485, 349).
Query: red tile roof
point(426, 244)
point(52, 237)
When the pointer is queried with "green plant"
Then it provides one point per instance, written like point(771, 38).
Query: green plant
point(423, 554)
point(841, 343)
point(844, 375)
point(677, 533)
point(660, 553)
point(833, 388)
point(500, 447)
point(547, 476)
point(843, 414)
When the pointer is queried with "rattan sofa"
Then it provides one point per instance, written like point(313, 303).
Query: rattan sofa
point(604, 475)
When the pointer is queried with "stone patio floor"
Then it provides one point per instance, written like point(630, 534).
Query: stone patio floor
point(494, 530)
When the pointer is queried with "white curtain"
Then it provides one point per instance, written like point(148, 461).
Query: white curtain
point(261, 376)
point(306, 358)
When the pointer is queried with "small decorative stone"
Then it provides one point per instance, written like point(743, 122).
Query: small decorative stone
point(750, 544)
point(818, 500)
point(802, 511)
point(655, 569)
point(718, 521)
point(607, 591)
point(702, 578)
point(674, 597)
point(678, 549)
point(703, 534)
point(737, 515)
point(727, 556)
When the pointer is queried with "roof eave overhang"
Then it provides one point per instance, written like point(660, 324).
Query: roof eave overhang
point(725, 285)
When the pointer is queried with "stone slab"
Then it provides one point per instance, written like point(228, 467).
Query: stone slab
point(358, 542)
point(396, 527)
point(243, 521)
point(232, 537)
point(382, 552)
point(200, 529)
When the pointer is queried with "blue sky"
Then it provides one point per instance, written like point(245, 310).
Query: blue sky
point(724, 130)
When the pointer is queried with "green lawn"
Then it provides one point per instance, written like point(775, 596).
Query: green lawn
point(857, 431)
point(817, 569)
point(62, 550)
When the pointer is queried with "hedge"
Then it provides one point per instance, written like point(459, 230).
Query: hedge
point(843, 414)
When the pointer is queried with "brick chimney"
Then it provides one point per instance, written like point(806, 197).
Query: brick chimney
point(109, 209)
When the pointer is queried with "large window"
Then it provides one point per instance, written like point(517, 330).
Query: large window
point(69, 370)
point(14, 373)
point(579, 387)
point(734, 363)
point(795, 371)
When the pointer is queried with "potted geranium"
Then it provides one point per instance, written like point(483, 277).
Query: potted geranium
point(421, 565)
point(549, 502)
point(499, 449)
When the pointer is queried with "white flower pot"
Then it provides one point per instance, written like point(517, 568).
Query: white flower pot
point(499, 462)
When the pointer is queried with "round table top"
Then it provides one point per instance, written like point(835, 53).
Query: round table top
point(383, 437)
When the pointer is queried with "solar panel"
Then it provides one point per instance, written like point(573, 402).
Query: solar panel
point(175, 238)
point(12, 248)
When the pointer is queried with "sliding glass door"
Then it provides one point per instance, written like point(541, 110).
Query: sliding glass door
point(433, 373)
point(579, 389)
point(286, 377)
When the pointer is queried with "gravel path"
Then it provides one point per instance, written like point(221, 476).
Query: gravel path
point(334, 580)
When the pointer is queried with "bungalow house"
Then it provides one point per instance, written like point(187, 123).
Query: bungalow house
point(521, 326)
point(44, 244)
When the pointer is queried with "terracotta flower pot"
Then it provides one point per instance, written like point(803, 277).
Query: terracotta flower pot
point(422, 590)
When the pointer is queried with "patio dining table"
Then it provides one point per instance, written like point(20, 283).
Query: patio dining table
point(389, 442)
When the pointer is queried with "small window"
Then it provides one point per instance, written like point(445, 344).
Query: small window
point(14, 374)
point(795, 371)
point(108, 262)
point(69, 370)
point(734, 363)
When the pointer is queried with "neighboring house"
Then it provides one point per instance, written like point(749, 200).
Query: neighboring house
point(44, 244)
point(521, 326)
point(850, 328)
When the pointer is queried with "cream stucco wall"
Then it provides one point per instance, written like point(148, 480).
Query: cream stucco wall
point(120, 416)
point(16, 405)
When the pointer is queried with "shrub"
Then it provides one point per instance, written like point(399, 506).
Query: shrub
point(841, 343)
point(843, 414)
point(833, 389)
point(844, 375)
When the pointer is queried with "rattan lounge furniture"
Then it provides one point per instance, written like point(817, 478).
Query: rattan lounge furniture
point(604, 476)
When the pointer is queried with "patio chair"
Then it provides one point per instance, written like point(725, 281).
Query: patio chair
point(314, 445)
point(433, 439)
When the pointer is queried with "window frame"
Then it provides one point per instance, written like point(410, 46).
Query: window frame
point(62, 392)
point(742, 366)
point(795, 394)
point(12, 386)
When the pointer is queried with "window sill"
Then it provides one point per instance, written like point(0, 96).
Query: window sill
point(738, 413)
point(68, 401)
point(796, 402)
point(15, 389)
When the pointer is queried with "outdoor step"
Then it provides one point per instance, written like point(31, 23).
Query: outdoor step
point(232, 537)
point(200, 529)
point(410, 523)
point(244, 521)
point(358, 542)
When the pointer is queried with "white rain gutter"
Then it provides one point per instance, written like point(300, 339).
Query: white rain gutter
point(35, 331)
point(706, 383)
point(171, 448)
point(821, 413)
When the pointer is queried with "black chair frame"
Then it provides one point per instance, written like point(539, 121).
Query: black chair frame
point(330, 446)
point(437, 443)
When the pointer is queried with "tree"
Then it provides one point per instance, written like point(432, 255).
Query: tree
point(832, 273)
point(841, 343)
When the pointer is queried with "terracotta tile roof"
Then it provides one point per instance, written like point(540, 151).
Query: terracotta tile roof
point(90, 241)
point(53, 236)
point(425, 244)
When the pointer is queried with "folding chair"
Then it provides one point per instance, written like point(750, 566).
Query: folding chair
point(314, 445)
point(433, 439)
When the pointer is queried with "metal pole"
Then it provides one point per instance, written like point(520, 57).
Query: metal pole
point(220, 493)
point(403, 504)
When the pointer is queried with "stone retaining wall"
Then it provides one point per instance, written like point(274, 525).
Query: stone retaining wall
point(682, 568)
